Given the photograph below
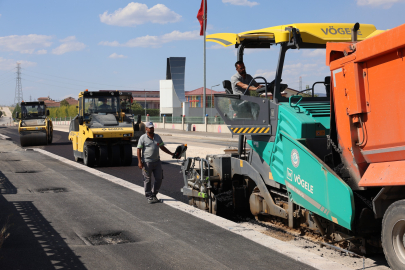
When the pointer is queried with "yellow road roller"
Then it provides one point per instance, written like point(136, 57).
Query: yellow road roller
point(34, 127)
point(98, 134)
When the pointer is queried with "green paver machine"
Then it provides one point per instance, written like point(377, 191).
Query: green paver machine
point(286, 166)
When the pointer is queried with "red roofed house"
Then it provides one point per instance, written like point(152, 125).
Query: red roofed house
point(49, 102)
point(72, 101)
point(195, 97)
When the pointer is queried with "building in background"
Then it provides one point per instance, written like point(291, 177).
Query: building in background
point(148, 99)
point(49, 102)
point(195, 97)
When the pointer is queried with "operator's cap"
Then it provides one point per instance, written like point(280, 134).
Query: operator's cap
point(149, 125)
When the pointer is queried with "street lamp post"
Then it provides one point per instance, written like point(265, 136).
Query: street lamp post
point(211, 96)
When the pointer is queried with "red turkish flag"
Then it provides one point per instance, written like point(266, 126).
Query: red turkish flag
point(200, 15)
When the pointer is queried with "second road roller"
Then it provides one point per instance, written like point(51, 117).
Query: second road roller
point(99, 134)
point(34, 127)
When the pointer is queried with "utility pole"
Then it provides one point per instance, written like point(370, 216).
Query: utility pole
point(145, 102)
point(205, 66)
point(30, 98)
point(18, 87)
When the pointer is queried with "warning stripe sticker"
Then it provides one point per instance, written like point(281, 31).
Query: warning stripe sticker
point(250, 130)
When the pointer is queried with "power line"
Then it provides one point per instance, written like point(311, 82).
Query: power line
point(51, 85)
point(81, 80)
point(12, 79)
point(57, 81)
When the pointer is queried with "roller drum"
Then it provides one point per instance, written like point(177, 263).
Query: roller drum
point(33, 138)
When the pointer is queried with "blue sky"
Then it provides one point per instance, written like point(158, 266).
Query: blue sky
point(67, 46)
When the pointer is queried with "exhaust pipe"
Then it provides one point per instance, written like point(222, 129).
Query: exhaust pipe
point(355, 28)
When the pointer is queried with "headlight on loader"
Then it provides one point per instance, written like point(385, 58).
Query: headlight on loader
point(98, 136)
point(128, 135)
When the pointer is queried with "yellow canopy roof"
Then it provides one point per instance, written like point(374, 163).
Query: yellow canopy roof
point(317, 33)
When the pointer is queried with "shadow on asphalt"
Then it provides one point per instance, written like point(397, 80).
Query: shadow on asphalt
point(32, 243)
point(6, 187)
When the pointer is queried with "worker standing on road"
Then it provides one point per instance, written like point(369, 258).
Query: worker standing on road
point(149, 144)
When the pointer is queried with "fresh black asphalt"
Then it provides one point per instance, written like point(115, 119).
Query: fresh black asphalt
point(56, 210)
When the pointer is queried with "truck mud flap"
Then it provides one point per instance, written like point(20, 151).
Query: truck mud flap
point(314, 185)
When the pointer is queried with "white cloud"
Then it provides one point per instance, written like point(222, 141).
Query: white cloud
point(240, 2)
point(42, 52)
point(115, 56)
point(69, 44)
point(7, 64)
point(136, 13)
point(314, 53)
point(375, 3)
point(155, 41)
point(24, 44)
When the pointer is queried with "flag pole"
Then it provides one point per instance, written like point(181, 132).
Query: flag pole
point(204, 20)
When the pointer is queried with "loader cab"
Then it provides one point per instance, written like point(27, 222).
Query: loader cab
point(99, 103)
point(33, 110)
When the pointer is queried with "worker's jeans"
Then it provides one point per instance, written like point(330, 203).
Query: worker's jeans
point(147, 170)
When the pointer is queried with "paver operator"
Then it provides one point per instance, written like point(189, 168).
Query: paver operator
point(240, 81)
point(149, 145)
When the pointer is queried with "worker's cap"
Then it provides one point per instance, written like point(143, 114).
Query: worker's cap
point(149, 125)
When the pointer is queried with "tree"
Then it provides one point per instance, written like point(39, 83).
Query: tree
point(17, 109)
point(64, 103)
point(136, 106)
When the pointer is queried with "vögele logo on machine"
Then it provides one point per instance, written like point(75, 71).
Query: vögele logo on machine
point(295, 158)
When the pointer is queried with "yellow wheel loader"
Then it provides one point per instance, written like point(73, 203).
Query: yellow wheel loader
point(99, 134)
point(34, 127)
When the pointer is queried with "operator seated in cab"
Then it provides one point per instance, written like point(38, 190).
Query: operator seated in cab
point(104, 107)
point(241, 80)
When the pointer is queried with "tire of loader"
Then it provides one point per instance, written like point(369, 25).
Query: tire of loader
point(89, 154)
point(102, 155)
point(115, 157)
point(392, 236)
point(126, 154)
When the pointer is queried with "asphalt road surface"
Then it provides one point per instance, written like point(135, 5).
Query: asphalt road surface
point(62, 217)
point(61, 146)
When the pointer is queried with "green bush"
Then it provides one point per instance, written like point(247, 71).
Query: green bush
point(63, 111)
point(16, 110)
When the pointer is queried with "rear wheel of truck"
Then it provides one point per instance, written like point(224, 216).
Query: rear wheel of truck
point(393, 235)
point(102, 155)
point(126, 154)
point(89, 154)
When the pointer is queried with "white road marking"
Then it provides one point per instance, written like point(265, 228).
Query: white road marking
point(289, 250)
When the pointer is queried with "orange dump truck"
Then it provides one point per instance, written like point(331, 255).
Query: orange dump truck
point(367, 85)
